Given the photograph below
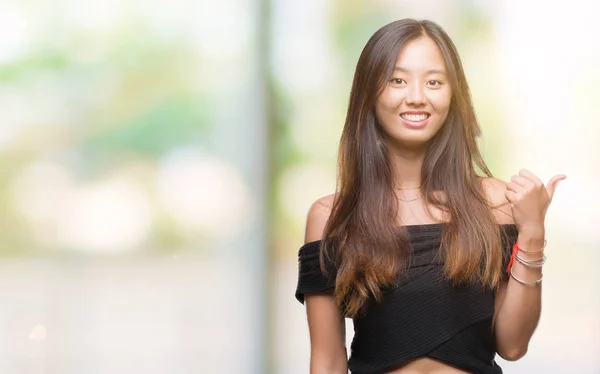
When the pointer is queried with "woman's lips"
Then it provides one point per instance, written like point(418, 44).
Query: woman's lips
point(415, 124)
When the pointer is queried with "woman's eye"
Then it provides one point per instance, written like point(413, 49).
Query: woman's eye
point(434, 83)
point(398, 80)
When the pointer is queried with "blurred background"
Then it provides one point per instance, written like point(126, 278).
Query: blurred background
point(158, 159)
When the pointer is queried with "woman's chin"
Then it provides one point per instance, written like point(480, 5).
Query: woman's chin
point(413, 143)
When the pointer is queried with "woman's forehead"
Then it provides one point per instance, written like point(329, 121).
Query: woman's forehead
point(420, 56)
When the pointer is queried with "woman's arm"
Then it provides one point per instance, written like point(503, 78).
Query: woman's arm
point(518, 307)
point(523, 201)
point(327, 336)
point(326, 324)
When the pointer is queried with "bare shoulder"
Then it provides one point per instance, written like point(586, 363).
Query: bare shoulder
point(318, 215)
point(495, 191)
point(325, 322)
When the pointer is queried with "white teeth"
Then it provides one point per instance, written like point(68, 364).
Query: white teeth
point(415, 117)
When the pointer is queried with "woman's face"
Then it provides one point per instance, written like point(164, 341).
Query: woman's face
point(416, 100)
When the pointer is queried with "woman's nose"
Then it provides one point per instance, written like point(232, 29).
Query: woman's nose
point(415, 95)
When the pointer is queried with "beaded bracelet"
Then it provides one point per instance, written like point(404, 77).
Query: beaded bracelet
point(524, 282)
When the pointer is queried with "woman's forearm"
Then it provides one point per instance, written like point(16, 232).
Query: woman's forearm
point(519, 314)
point(329, 362)
point(331, 366)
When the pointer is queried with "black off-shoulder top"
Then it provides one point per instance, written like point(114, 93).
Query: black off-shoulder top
point(423, 316)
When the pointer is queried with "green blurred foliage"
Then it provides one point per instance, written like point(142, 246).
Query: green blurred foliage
point(128, 97)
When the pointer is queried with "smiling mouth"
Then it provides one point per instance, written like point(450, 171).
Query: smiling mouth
point(414, 117)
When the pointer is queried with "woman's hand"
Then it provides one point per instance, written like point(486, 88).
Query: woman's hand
point(529, 200)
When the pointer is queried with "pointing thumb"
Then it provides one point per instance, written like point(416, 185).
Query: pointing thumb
point(551, 185)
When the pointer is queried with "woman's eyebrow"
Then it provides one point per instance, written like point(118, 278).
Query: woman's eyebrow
point(432, 71)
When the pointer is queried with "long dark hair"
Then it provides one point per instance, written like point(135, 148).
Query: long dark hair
point(361, 235)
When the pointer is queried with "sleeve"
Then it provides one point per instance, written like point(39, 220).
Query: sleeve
point(509, 238)
point(311, 279)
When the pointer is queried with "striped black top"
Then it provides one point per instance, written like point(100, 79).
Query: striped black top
point(423, 316)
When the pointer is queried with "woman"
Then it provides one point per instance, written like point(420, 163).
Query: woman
point(439, 267)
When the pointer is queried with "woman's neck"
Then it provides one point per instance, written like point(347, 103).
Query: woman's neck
point(408, 167)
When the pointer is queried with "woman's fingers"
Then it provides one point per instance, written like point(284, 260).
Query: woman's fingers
point(514, 187)
point(529, 175)
point(522, 181)
point(511, 196)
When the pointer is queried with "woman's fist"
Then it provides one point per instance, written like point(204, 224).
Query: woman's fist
point(529, 199)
